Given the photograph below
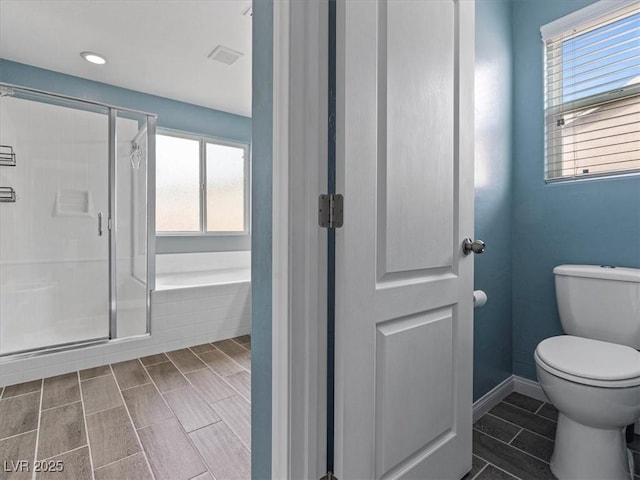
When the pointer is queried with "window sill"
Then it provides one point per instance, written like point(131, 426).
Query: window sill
point(591, 178)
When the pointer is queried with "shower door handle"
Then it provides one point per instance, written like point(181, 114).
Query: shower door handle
point(99, 224)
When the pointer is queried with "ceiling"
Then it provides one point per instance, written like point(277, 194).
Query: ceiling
point(159, 47)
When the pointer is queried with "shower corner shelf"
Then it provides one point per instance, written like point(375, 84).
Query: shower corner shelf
point(7, 156)
point(7, 195)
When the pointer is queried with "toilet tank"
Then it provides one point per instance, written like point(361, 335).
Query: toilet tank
point(600, 302)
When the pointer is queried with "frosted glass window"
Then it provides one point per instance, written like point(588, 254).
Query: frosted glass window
point(177, 184)
point(225, 188)
point(201, 186)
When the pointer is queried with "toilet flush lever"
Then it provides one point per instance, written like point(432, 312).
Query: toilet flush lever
point(475, 246)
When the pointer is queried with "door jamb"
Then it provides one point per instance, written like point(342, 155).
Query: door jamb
point(280, 232)
point(299, 274)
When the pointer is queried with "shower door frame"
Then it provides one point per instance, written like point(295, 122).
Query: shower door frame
point(112, 116)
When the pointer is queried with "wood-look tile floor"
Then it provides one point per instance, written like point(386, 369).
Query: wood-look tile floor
point(515, 440)
point(177, 416)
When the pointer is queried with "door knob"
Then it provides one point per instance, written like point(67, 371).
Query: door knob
point(475, 246)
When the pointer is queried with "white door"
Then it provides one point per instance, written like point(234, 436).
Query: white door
point(403, 286)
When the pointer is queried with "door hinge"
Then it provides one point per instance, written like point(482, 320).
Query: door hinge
point(330, 210)
point(329, 476)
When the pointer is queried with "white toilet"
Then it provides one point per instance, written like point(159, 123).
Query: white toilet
point(592, 374)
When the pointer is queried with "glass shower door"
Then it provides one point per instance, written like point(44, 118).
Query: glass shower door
point(131, 279)
point(54, 236)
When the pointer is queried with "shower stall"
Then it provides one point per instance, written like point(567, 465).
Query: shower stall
point(76, 223)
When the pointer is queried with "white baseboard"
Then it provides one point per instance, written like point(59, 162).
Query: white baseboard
point(518, 384)
point(492, 398)
point(529, 388)
point(498, 393)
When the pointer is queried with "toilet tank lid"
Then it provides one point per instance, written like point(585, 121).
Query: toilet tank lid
point(592, 359)
point(606, 272)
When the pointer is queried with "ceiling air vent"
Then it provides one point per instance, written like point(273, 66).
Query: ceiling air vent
point(225, 55)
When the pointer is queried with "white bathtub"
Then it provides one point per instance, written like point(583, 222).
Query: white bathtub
point(200, 278)
point(201, 297)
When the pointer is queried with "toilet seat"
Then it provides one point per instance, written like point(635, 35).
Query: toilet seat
point(589, 362)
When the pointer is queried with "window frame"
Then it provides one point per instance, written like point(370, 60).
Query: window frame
point(595, 16)
point(203, 140)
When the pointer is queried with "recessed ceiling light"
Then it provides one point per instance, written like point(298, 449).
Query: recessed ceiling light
point(93, 58)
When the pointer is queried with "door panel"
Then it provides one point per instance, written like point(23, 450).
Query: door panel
point(415, 71)
point(403, 286)
point(422, 339)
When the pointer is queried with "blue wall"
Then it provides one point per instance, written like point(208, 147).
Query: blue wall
point(493, 161)
point(261, 239)
point(171, 114)
point(590, 221)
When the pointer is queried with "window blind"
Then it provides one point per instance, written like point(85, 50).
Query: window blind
point(592, 96)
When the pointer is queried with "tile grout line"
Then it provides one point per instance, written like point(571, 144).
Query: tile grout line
point(63, 405)
point(205, 426)
point(515, 448)
point(131, 388)
point(227, 383)
point(243, 345)
point(158, 390)
point(239, 344)
point(539, 408)
point(230, 358)
point(101, 411)
point(496, 467)
point(35, 453)
point(86, 428)
point(210, 405)
point(237, 393)
point(66, 451)
point(21, 394)
point(121, 459)
point(133, 425)
point(153, 364)
point(186, 434)
point(528, 411)
point(93, 378)
point(481, 470)
point(213, 349)
point(519, 426)
point(538, 435)
point(18, 434)
point(235, 434)
point(536, 414)
point(515, 436)
point(184, 374)
point(222, 377)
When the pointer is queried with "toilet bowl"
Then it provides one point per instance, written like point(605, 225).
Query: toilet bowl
point(596, 388)
point(592, 374)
